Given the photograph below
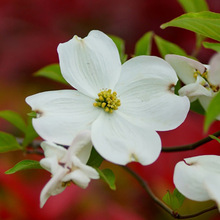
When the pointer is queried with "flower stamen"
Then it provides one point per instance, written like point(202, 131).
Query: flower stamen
point(107, 100)
point(204, 75)
point(64, 184)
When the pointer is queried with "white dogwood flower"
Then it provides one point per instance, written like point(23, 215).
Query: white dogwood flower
point(201, 81)
point(122, 105)
point(67, 165)
point(198, 178)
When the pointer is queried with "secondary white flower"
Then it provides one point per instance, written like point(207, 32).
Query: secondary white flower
point(198, 178)
point(67, 165)
point(202, 81)
point(123, 105)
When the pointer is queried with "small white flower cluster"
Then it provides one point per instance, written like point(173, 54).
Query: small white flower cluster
point(198, 178)
point(67, 165)
point(202, 82)
point(122, 123)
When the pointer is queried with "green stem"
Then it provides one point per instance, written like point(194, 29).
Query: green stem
point(174, 214)
point(199, 40)
point(190, 146)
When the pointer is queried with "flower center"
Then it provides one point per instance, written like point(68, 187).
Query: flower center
point(107, 100)
point(64, 184)
point(204, 75)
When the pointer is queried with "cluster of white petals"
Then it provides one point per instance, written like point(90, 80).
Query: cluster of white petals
point(201, 81)
point(67, 165)
point(198, 178)
point(123, 126)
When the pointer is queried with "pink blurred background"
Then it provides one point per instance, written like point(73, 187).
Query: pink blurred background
point(29, 34)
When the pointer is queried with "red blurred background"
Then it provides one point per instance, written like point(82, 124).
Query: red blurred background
point(29, 34)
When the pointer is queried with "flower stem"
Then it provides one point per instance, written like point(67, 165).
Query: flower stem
point(173, 213)
point(198, 45)
point(34, 146)
point(190, 146)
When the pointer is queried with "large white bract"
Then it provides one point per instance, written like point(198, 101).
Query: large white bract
point(201, 81)
point(198, 178)
point(67, 165)
point(122, 105)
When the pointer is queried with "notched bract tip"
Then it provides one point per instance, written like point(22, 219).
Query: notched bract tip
point(79, 39)
point(133, 157)
point(172, 88)
point(39, 113)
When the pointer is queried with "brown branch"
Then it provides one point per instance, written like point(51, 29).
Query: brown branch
point(33, 148)
point(36, 144)
point(148, 190)
point(34, 151)
point(174, 214)
point(198, 213)
point(190, 146)
point(33, 144)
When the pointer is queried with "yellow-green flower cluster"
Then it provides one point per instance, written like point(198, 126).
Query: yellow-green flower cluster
point(204, 75)
point(107, 100)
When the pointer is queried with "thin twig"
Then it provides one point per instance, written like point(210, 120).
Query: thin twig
point(148, 190)
point(174, 214)
point(34, 144)
point(33, 148)
point(34, 151)
point(190, 146)
point(198, 213)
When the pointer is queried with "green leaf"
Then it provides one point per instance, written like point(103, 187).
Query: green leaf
point(14, 118)
point(213, 111)
point(213, 46)
point(205, 23)
point(194, 5)
point(166, 47)
point(8, 143)
point(174, 200)
point(95, 160)
point(144, 44)
point(197, 107)
point(108, 176)
point(52, 72)
point(24, 165)
point(215, 138)
point(30, 133)
point(119, 42)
